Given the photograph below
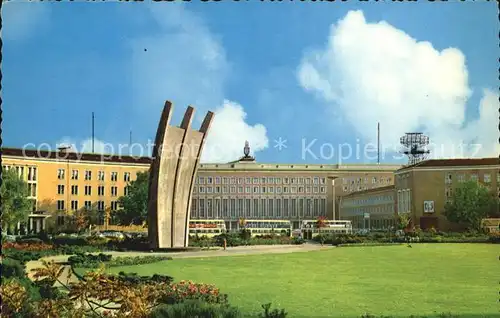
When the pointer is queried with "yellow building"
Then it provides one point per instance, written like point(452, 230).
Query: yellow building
point(61, 183)
point(372, 209)
point(424, 188)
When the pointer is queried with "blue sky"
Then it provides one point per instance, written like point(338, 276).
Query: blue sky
point(319, 74)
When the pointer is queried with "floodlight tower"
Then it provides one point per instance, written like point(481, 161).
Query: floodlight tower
point(415, 147)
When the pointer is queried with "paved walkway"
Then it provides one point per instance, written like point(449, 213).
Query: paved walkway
point(230, 251)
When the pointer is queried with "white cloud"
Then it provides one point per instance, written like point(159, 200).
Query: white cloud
point(374, 72)
point(186, 64)
point(23, 19)
point(228, 134)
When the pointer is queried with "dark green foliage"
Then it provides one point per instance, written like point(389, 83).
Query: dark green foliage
point(135, 204)
point(47, 290)
point(29, 240)
point(471, 202)
point(15, 205)
point(12, 268)
point(195, 309)
point(133, 278)
point(69, 241)
point(275, 313)
point(298, 240)
point(94, 261)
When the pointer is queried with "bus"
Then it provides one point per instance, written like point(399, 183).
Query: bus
point(268, 227)
point(309, 229)
point(209, 228)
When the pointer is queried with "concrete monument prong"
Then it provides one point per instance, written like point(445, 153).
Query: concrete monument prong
point(176, 155)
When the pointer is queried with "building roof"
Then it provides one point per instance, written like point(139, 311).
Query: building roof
point(465, 162)
point(372, 190)
point(58, 155)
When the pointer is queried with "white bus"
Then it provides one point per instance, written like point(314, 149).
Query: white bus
point(268, 227)
point(309, 228)
point(209, 228)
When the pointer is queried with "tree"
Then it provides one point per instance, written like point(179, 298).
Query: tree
point(135, 204)
point(15, 203)
point(471, 202)
point(321, 223)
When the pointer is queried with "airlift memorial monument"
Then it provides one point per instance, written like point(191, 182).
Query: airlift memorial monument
point(176, 154)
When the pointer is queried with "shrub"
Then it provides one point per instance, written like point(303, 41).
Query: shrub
point(88, 260)
point(195, 308)
point(494, 238)
point(298, 240)
point(183, 290)
point(275, 313)
point(12, 268)
point(29, 240)
point(69, 241)
point(134, 279)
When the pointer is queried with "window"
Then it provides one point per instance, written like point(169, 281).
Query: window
point(285, 189)
point(285, 208)
point(114, 205)
point(240, 189)
point(225, 208)
point(285, 180)
point(301, 180)
point(240, 180)
point(255, 189)
point(448, 178)
point(323, 180)
point(114, 176)
point(60, 205)
point(374, 180)
point(114, 191)
point(60, 189)
point(100, 176)
point(202, 208)
point(31, 173)
point(217, 189)
point(202, 189)
point(201, 180)
point(74, 205)
point(74, 190)
point(461, 177)
point(448, 193)
point(100, 190)
point(100, 206)
point(308, 207)
point(316, 190)
point(88, 175)
point(278, 208)
point(32, 189)
point(277, 180)
point(74, 175)
point(60, 174)
point(263, 180)
point(301, 189)
point(308, 180)
point(308, 189)
point(255, 180)
point(126, 190)
point(278, 189)
point(316, 180)
point(263, 190)
point(60, 220)
point(126, 177)
point(233, 208)
point(247, 189)
point(88, 205)
point(270, 207)
point(217, 180)
point(263, 208)
point(322, 189)
point(487, 178)
point(224, 180)
point(194, 208)
point(233, 189)
point(88, 190)
point(209, 189)
point(225, 189)
point(209, 180)
point(270, 189)
point(255, 208)
point(293, 190)
point(248, 208)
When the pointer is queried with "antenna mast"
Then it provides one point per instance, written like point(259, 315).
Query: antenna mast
point(92, 132)
point(378, 143)
point(415, 147)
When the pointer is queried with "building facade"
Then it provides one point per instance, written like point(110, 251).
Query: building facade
point(424, 188)
point(62, 183)
point(372, 209)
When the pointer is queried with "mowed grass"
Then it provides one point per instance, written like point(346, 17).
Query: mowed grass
point(427, 279)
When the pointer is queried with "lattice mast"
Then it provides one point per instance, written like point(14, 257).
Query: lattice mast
point(415, 147)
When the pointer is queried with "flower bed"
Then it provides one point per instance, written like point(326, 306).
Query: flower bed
point(94, 261)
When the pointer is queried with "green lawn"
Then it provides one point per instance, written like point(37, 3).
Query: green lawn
point(350, 281)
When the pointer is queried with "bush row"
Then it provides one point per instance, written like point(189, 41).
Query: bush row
point(242, 239)
point(94, 261)
point(422, 237)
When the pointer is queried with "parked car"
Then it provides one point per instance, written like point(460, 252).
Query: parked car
point(112, 235)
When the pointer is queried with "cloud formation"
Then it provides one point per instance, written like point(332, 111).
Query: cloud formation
point(185, 63)
point(229, 132)
point(374, 72)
